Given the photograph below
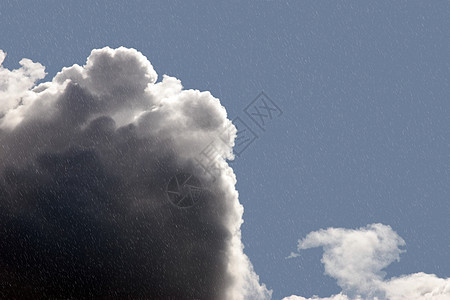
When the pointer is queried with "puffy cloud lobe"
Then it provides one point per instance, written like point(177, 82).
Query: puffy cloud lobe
point(356, 258)
point(15, 84)
point(84, 163)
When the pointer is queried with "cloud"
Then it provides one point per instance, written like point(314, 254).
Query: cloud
point(16, 84)
point(84, 163)
point(339, 296)
point(356, 258)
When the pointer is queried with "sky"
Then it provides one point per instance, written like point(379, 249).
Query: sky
point(358, 146)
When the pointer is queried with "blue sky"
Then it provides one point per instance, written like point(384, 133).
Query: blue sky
point(364, 88)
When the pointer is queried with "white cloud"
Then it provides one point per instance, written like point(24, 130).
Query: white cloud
point(356, 258)
point(17, 83)
point(418, 286)
point(334, 297)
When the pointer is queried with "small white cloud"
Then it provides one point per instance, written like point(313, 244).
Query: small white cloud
point(293, 255)
point(356, 258)
point(334, 297)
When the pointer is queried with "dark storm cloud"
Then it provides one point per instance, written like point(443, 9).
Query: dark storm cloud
point(84, 164)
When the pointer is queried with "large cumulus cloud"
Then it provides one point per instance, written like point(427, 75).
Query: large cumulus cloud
point(84, 162)
point(356, 259)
